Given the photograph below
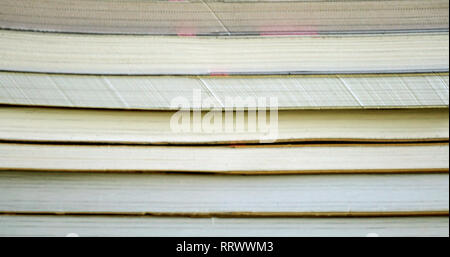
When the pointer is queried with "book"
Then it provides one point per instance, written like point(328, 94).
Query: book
point(210, 17)
point(353, 91)
point(251, 159)
point(125, 226)
point(98, 126)
point(188, 195)
point(107, 226)
point(168, 55)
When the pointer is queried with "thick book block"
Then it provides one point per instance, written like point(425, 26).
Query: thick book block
point(167, 55)
point(54, 125)
point(210, 17)
point(257, 159)
point(83, 226)
point(363, 91)
point(225, 196)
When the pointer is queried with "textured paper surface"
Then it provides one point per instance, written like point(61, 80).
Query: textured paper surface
point(240, 159)
point(69, 68)
point(191, 194)
point(292, 92)
point(197, 17)
point(153, 127)
point(125, 54)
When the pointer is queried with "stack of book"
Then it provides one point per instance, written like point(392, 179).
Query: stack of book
point(224, 118)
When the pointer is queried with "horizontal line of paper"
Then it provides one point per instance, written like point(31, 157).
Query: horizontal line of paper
point(265, 159)
point(54, 125)
point(156, 55)
point(161, 92)
point(196, 17)
point(182, 227)
point(259, 227)
point(196, 194)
